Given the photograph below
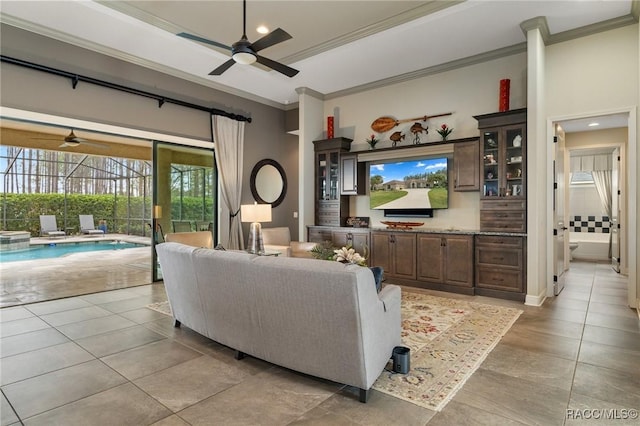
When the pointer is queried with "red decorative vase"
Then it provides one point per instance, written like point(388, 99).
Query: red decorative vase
point(330, 127)
point(505, 87)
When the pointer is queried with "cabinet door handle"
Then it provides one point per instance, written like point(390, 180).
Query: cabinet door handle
point(498, 258)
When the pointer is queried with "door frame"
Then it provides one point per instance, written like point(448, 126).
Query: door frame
point(630, 163)
point(156, 199)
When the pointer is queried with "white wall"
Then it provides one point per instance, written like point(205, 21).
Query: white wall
point(594, 75)
point(465, 92)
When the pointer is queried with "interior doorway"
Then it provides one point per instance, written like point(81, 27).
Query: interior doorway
point(595, 162)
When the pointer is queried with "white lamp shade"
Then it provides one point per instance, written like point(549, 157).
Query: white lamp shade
point(255, 212)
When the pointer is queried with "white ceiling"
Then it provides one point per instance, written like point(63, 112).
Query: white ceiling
point(338, 46)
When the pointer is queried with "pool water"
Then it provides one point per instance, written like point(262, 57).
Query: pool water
point(53, 250)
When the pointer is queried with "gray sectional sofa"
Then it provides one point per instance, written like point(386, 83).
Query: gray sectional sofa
point(317, 317)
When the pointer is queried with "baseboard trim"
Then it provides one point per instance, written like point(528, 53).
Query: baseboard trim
point(534, 300)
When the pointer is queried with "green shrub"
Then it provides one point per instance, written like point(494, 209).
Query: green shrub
point(122, 215)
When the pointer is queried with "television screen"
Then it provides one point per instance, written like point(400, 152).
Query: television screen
point(409, 184)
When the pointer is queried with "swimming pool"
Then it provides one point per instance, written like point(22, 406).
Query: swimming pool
point(54, 250)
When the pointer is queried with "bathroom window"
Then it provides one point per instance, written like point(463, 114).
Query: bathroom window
point(581, 178)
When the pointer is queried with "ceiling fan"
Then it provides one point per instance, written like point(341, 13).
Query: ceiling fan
point(71, 141)
point(244, 52)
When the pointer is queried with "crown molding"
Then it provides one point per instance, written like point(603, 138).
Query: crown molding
point(310, 92)
point(539, 23)
point(598, 27)
point(449, 66)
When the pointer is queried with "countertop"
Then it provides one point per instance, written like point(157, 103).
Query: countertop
point(424, 230)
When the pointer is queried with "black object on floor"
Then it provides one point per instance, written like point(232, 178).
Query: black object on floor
point(401, 359)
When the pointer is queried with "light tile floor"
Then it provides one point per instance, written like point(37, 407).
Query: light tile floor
point(105, 359)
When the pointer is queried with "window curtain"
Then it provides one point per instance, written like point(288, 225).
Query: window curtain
point(228, 136)
point(600, 167)
point(602, 180)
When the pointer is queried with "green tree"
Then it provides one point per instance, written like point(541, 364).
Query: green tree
point(376, 180)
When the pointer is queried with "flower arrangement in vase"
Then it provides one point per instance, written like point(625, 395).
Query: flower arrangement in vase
point(347, 254)
point(372, 141)
point(444, 131)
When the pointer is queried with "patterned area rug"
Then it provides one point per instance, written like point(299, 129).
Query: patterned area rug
point(448, 338)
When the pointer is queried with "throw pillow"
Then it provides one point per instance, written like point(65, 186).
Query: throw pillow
point(377, 275)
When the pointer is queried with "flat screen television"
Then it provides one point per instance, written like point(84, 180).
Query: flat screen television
point(411, 187)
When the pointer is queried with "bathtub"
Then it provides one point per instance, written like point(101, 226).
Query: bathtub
point(591, 245)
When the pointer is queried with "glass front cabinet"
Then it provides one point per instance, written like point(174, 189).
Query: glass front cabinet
point(332, 208)
point(328, 162)
point(503, 162)
point(503, 172)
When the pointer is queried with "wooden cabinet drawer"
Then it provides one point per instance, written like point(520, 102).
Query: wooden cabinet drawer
point(328, 206)
point(499, 256)
point(503, 225)
point(499, 279)
point(502, 215)
point(329, 214)
point(319, 235)
point(323, 221)
point(482, 240)
point(503, 204)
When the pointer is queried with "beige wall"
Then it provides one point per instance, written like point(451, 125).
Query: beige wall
point(465, 92)
point(588, 76)
point(597, 75)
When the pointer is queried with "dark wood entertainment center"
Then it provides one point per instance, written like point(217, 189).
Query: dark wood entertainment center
point(490, 261)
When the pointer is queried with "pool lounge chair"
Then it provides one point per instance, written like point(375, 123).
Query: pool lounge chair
point(87, 225)
point(181, 226)
point(49, 226)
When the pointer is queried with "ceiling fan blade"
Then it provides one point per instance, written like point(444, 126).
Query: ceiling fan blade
point(69, 144)
point(203, 40)
point(274, 37)
point(222, 68)
point(277, 66)
point(76, 139)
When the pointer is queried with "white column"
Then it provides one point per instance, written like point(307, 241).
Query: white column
point(634, 197)
point(539, 175)
point(311, 106)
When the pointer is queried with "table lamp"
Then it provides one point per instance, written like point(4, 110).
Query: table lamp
point(255, 213)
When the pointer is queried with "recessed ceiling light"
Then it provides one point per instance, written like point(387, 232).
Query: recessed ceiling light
point(594, 124)
point(262, 29)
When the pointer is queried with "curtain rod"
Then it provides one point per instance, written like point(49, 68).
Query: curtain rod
point(75, 78)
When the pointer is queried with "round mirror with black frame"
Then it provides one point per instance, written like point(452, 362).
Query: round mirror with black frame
point(268, 182)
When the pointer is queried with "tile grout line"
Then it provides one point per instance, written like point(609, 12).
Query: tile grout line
point(575, 367)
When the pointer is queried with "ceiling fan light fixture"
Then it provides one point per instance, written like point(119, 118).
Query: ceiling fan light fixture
point(244, 58)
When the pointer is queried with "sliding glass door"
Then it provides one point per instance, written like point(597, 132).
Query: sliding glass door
point(184, 193)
